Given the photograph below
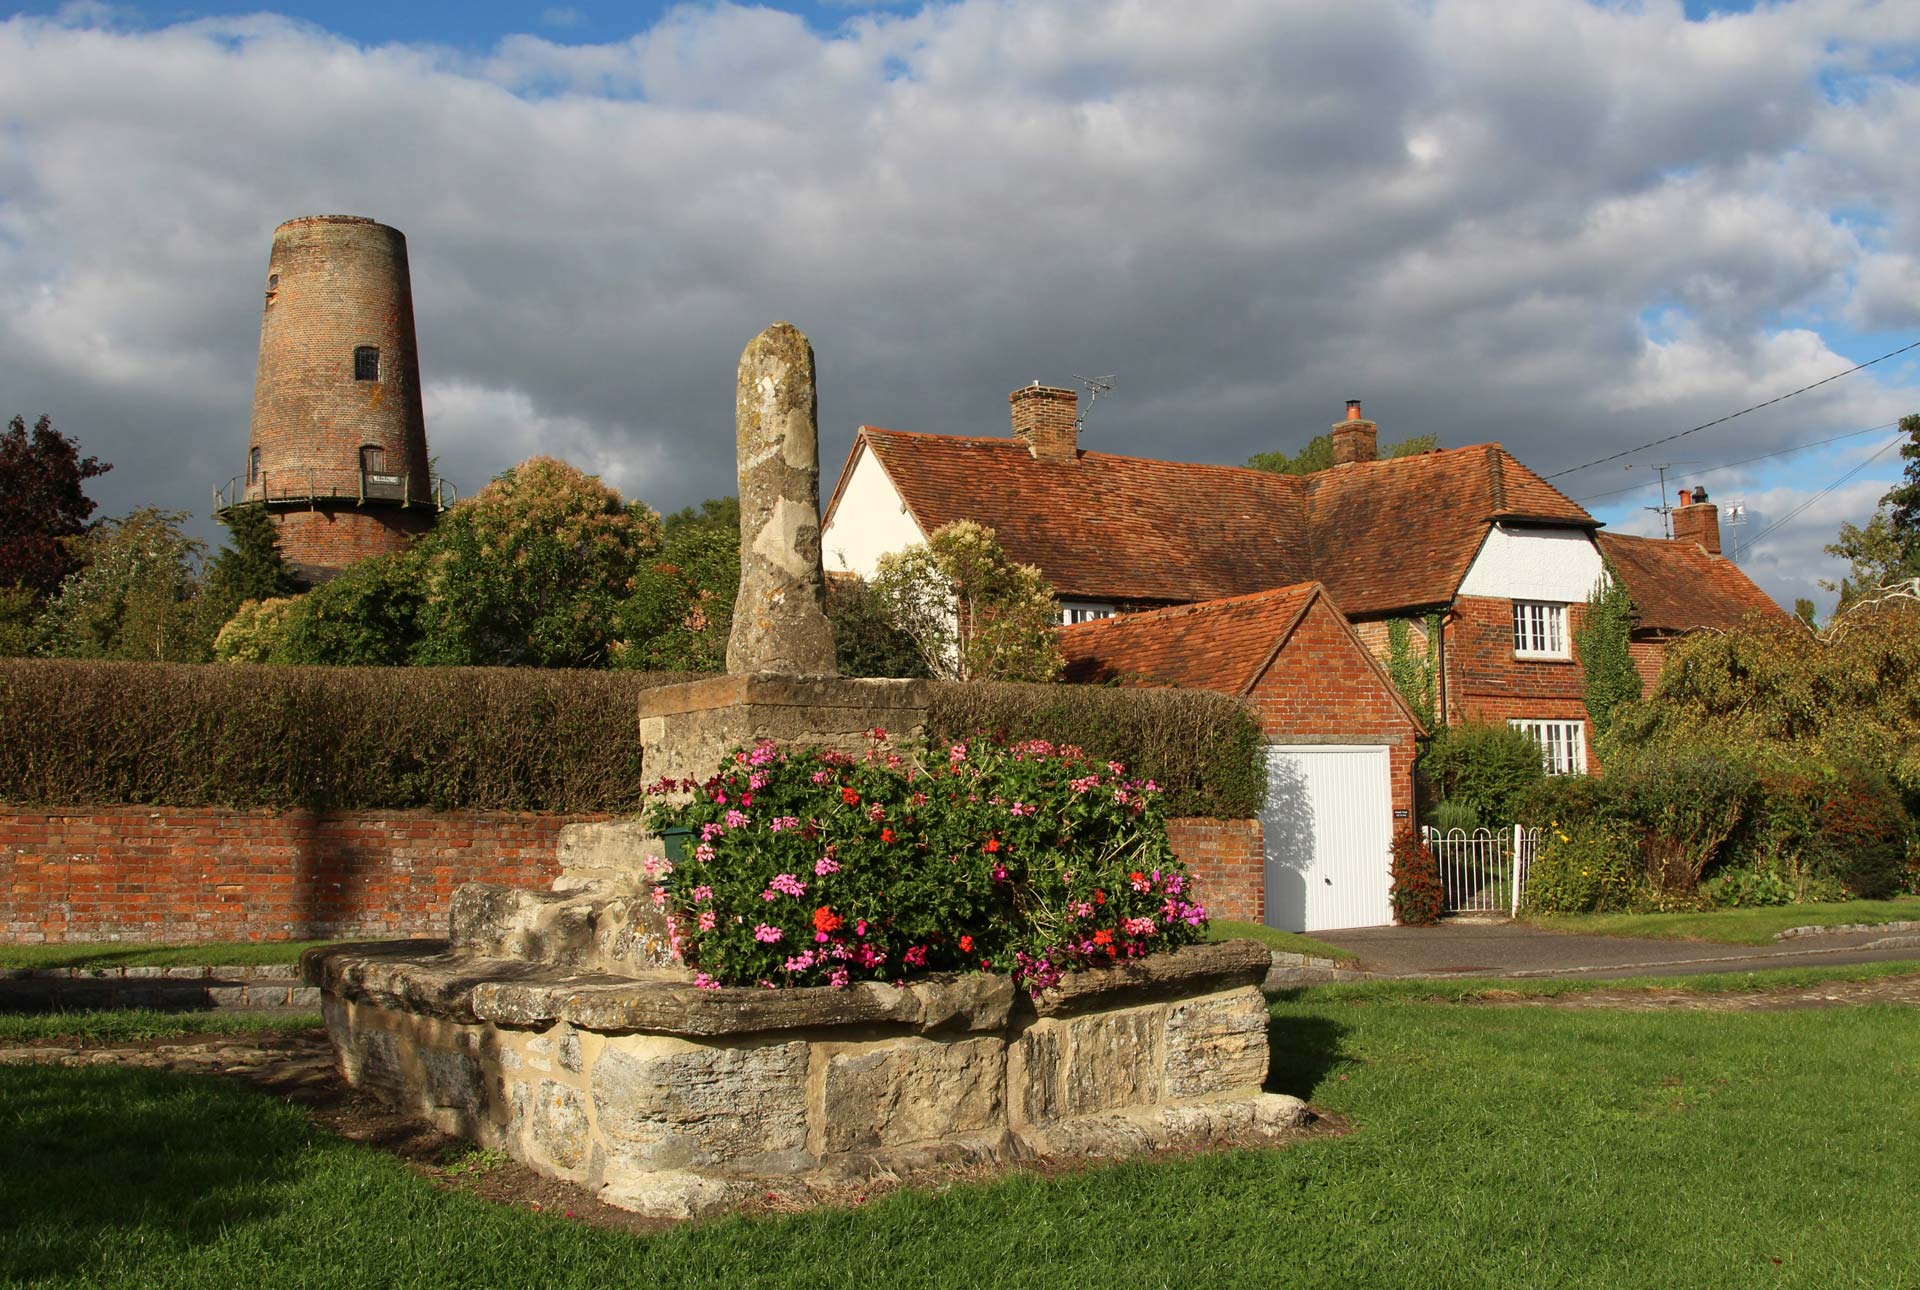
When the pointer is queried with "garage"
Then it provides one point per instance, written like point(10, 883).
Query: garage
point(1328, 833)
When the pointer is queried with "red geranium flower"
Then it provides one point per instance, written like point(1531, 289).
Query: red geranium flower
point(1103, 937)
point(886, 835)
point(1099, 897)
point(825, 920)
point(848, 796)
point(966, 944)
point(993, 845)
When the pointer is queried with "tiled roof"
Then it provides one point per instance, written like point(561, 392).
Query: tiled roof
point(1677, 586)
point(1215, 645)
point(1381, 535)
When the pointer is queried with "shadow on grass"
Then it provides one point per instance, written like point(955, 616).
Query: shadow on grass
point(100, 1159)
point(1304, 1050)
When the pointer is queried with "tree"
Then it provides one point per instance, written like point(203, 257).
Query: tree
point(251, 568)
point(532, 570)
point(1611, 680)
point(42, 504)
point(134, 596)
point(1875, 555)
point(714, 513)
point(1318, 455)
point(680, 612)
point(368, 616)
point(1904, 498)
point(973, 613)
point(257, 631)
point(865, 641)
point(1803, 609)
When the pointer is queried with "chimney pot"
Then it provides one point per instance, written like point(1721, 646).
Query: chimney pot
point(1353, 410)
point(1686, 497)
point(1697, 520)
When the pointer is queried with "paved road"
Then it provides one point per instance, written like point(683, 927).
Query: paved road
point(1504, 949)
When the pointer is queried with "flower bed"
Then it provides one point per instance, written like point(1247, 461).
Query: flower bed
point(811, 867)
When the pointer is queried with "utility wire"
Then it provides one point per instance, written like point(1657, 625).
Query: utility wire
point(1748, 461)
point(1879, 452)
point(1780, 398)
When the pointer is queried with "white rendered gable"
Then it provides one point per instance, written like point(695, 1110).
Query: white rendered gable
point(1535, 564)
point(870, 521)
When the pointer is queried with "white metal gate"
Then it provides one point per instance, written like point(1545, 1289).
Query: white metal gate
point(1329, 828)
point(1484, 871)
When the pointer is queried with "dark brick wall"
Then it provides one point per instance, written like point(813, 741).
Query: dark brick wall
point(1228, 861)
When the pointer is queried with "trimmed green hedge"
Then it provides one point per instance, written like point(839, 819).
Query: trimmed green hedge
point(504, 739)
point(508, 739)
point(1205, 750)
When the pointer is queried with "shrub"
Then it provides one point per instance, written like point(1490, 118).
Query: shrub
point(257, 630)
point(1690, 799)
point(346, 738)
point(1206, 750)
point(1417, 893)
point(1584, 866)
point(1449, 816)
point(820, 868)
point(1487, 769)
point(1746, 889)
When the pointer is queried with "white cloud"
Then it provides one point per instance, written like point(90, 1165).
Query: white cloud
point(1570, 227)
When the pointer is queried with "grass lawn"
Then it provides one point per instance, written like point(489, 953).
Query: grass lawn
point(122, 1025)
point(1734, 926)
point(228, 954)
point(1222, 929)
point(1490, 1146)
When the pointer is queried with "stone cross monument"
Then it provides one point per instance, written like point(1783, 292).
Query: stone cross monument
point(779, 618)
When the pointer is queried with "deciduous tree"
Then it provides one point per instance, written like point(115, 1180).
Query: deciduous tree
point(973, 613)
point(43, 502)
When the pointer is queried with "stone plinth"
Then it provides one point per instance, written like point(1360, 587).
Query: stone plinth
point(686, 730)
point(675, 1101)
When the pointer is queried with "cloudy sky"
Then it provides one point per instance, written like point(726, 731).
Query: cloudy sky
point(1570, 227)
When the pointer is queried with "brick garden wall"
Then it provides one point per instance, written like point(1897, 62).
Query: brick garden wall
point(144, 873)
point(1228, 861)
point(180, 875)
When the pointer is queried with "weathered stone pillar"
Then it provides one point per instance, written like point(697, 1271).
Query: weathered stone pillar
point(779, 618)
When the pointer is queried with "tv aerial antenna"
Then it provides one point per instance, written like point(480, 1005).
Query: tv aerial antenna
point(1666, 511)
point(1095, 386)
point(1733, 516)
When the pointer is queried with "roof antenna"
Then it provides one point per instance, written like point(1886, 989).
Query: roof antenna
point(1666, 511)
point(1095, 386)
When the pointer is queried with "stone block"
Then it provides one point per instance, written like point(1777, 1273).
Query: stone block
point(557, 1125)
point(303, 996)
point(1114, 1060)
point(1216, 1043)
point(669, 1104)
point(908, 1090)
point(1035, 1061)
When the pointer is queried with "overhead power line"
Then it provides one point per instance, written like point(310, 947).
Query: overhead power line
point(1879, 452)
point(1748, 461)
point(1708, 425)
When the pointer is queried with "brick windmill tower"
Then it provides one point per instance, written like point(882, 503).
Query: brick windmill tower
point(338, 450)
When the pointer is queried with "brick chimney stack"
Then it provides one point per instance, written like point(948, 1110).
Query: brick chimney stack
point(1356, 438)
point(1046, 419)
point(1696, 519)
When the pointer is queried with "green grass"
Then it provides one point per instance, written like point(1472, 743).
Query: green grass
point(227, 954)
point(1506, 1147)
point(1225, 929)
point(123, 1025)
point(1733, 926)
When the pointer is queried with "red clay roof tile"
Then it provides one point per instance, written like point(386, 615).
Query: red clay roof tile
point(1677, 586)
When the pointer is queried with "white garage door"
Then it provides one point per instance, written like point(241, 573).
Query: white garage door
point(1329, 826)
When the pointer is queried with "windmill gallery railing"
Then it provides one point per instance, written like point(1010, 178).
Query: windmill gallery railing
point(333, 487)
point(1484, 872)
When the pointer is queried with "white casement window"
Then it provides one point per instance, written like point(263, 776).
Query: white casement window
point(1563, 744)
point(1539, 630)
point(1082, 611)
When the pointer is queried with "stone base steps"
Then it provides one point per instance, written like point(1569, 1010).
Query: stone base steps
point(271, 985)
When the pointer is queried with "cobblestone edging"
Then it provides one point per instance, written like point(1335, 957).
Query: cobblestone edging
point(269, 985)
point(1844, 929)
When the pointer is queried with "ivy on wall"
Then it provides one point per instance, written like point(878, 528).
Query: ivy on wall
point(1611, 679)
point(1415, 675)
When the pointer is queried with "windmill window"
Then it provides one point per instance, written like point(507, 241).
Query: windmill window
point(366, 363)
point(373, 460)
point(253, 466)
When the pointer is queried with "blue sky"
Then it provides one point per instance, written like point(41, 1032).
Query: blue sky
point(1573, 228)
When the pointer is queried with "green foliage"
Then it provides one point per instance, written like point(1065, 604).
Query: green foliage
point(1852, 694)
point(865, 641)
point(1804, 610)
point(348, 738)
point(973, 613)
point(20, 610)
point(1690, 798)
point(714, 513)
point(43, 504)
point(1877, 556)
point(1487, 769)
point(1903, 500)
point(251, 566)
point(1418, 896)
point(1610, 678)
point(1585, 866)
point(1414, 676)
point(257, 632)
point(1318, 454)
point(1206, 751)
point(368, 616)
point(679, 612)
point(812, 868)
point(135, 594)
point(1746, 889)
point(531, 570)
point(1824, 829)
point(1448, 816)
